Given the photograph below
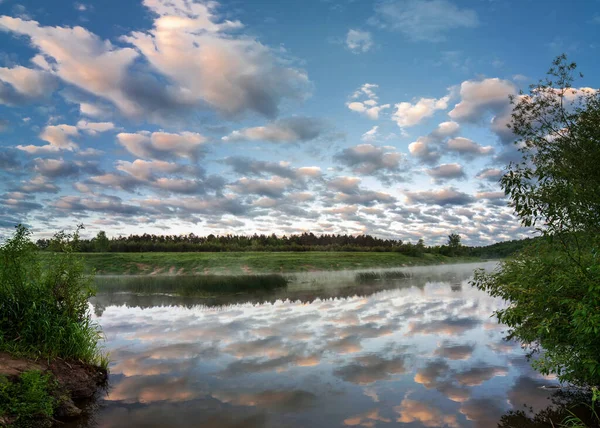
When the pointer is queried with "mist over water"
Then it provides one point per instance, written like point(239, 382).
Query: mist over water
point(422, 351)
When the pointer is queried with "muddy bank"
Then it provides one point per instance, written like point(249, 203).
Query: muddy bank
point(76, 383)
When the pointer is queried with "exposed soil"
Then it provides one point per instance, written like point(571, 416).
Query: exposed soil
point(77, 382)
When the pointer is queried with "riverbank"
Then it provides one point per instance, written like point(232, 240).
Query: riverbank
point(249, 263)
point(40, 393)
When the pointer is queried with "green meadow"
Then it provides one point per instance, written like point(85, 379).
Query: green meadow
point(250, 263)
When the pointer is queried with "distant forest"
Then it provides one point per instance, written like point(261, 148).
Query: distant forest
point(297, 243)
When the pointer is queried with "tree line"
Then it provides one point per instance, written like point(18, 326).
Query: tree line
point(292, 243)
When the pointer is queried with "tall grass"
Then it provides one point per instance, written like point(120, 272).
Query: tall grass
point(44, 312)
point(194, 285)
point(364, 277)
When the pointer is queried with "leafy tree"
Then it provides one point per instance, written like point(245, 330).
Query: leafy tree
point(553, 287)
point(454, 242)
point(101, 242)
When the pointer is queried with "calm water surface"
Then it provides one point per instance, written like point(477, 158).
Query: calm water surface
point(421, 352)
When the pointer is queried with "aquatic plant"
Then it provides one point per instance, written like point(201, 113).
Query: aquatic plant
point(193, 285)
point(363, 277)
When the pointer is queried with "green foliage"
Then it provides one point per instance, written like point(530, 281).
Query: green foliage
point(28, 402)
point(557, 183)
point(554, 304)
point(101, 242)
point(573, 420)
point(553, 287)
point(44, 312)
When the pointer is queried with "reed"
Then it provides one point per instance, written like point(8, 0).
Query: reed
point(365, 277)
point(193, 285)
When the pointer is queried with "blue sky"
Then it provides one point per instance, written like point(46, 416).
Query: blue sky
point(379, 117)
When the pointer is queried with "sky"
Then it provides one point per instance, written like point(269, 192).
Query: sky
point(330, 116)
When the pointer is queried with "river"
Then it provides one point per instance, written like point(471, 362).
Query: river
point(416, 352)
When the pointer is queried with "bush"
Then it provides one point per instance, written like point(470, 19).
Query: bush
point(44, 312)
point(28, 402)
point(554, 308)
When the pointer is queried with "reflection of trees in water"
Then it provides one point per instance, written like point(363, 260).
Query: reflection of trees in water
point(305, 292)
point(565, 403)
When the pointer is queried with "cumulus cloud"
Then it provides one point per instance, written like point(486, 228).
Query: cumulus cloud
point(232, 74)
point(490, 174)
point(359, 41)
point(20, 85)
point(446, 171)
point(349, 192)
point(446, 196)
point(94, 128)
point(468, 148)
point(247, 166)
point(273, 187)
point(367, 159)
point(409, 114)
point(344, 184)
point(145, 170)
point(369, 107)
point(486, 97)
point(196, 62)
point(58, 137)
point(158, 145)
point(58, 168)
point(37, 184)
point(427, 148)
point(289, 130)
point(423, 20)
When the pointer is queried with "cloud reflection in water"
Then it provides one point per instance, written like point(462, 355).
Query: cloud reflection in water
point(424, 353)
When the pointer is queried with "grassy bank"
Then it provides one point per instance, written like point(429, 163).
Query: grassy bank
point(49, 345)
point(250, 263)
point(196, 285)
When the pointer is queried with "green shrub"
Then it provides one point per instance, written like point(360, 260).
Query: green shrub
point(28, 402)
point(44, 312)
point(554, 308)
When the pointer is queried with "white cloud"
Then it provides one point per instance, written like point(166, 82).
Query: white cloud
point(370, 159)
point(95, 127)
point(232, 74)
point(369, 107)
point(480, 99)
point(428, 148)
point(370, 112)
point(442, 197)
point(145, 170)
point(466, 147)
point(359, 41)
point(409, 114)
point(199, 62)
point(19, 85)
point(289, 130)
point(58, 137)
point(157, 145)
point(370, 135)
point(446, 171)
